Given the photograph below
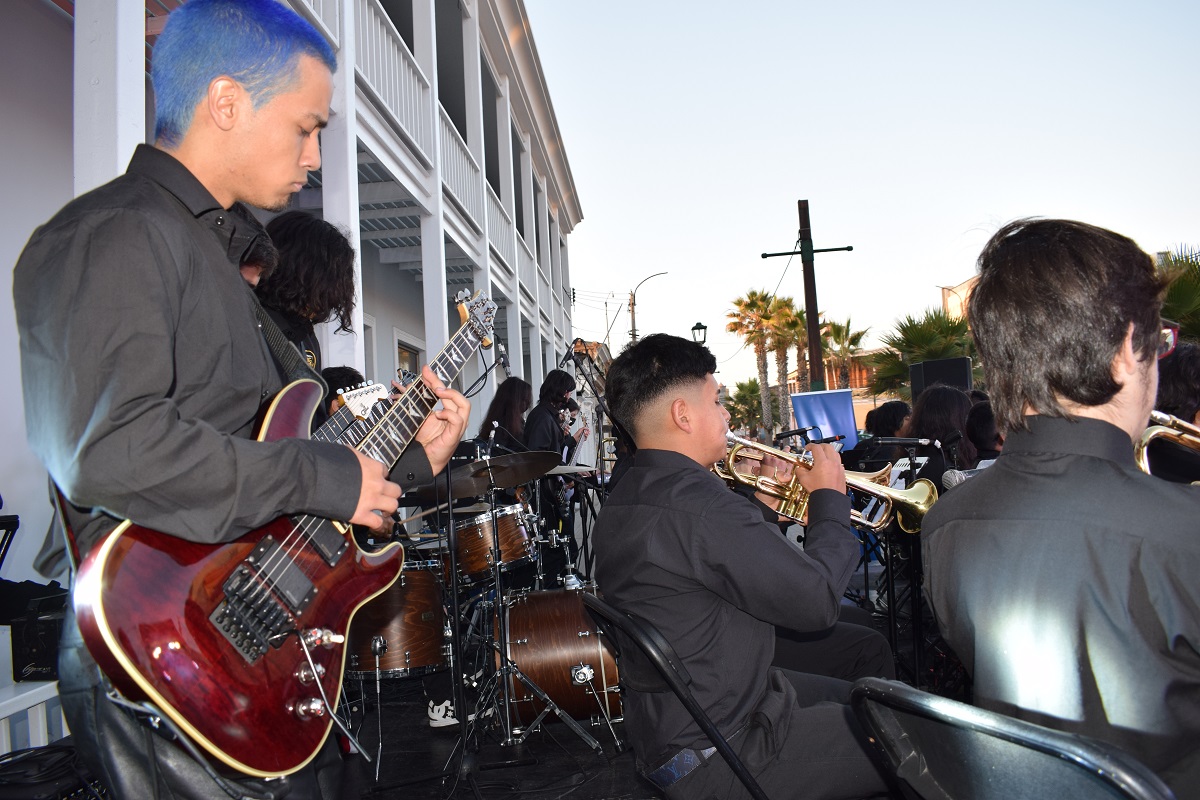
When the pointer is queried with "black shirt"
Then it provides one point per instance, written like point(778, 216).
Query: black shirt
point(143, 368)
point(1066, 581)
point(675, 546)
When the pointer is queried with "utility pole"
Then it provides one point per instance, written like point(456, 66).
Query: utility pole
point(811, 313)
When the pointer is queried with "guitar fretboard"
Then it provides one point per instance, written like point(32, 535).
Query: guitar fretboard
point(396, 429)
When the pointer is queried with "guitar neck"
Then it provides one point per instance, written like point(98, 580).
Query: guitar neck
point(396, 428)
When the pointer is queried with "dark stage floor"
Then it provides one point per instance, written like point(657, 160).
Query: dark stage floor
point(560, 764)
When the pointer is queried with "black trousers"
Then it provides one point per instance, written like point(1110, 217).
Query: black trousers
point(821, 753)
point(136, 763)
point(850, 650)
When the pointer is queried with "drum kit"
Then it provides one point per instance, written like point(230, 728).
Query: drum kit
point(478, 592)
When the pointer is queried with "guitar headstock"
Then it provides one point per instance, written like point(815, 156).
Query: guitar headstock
point(360, 400)
point(479, 313)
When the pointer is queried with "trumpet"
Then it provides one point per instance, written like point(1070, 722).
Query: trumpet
point(1164, 426)
point(907, 505)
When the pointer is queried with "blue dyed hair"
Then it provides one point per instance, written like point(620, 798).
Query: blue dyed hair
point(255, 42)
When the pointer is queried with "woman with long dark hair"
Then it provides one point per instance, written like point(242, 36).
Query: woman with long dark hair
point(940, 414)
point(507, 409)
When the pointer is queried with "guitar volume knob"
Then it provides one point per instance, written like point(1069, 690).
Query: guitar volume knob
point(304, 673)
point(310, 708)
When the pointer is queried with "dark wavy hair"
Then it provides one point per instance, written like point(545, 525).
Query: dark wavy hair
point(556, 384)
point(315, 275)
point(941, 412)
point(1052, 307)
point(513, 398)
point(256, 42)
point(1179, 382)
point(648, 369)
point(889, 417)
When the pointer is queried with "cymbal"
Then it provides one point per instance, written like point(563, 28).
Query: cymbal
point(503, 472)
point(571, 470)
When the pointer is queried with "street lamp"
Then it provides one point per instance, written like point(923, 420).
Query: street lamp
point(699, 333)
point(633, 305)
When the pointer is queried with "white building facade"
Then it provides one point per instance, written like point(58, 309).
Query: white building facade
point(442, 160)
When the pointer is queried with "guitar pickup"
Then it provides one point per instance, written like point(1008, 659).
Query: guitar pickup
point(285, 580)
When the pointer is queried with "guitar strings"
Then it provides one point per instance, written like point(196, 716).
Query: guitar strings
point(396, 426)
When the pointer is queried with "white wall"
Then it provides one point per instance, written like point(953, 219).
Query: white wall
point(35, 158)
point(394, 299)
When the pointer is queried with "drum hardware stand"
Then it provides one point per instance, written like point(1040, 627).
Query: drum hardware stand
point(378, 647)
point(509, 667)
point(585, 675)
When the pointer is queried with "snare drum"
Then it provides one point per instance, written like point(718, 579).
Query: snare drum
point(412, 621)
point(474, 542)
point(552, 639)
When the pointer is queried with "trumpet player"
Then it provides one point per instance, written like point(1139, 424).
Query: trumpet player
point(1063, 576)
point(708, 568)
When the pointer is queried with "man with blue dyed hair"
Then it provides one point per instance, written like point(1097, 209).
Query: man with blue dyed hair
point(143, 364)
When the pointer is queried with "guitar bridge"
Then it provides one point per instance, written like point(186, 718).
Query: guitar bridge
point(258, 596)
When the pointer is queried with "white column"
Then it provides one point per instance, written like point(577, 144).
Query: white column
point(110, 89)
point(339, 192)
point(433, 243)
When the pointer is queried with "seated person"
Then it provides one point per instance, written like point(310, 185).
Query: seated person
point(1063, 576)
point(981, 432)
point(888, 420)
point(708, 568)
point(940, 414)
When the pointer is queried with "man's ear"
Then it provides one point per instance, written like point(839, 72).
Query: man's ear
point(224, 102)
point(1125, 365)
point(680, 411)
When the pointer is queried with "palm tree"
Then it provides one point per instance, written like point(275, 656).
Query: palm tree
point(783, 332)
point(1182, 303)
point(748, 320)
point(745, 405)
point(844, 342)
point(917, 339)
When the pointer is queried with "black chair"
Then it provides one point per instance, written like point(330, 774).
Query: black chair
point(621, 628)
point(940, 749)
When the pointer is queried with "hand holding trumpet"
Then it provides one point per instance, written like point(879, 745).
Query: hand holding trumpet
point(826, 473)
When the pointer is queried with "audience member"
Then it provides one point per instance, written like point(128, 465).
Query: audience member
point(981, 432)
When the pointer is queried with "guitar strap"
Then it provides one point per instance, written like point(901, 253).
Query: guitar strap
point(293, 364)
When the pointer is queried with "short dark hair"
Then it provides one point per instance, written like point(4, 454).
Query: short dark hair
point(981, 426)
point(1179, 382)
point(315, 275)
point(889, 417)
point(556, 384)
point(256, 42)
point(1053, 304)
point(649, 368)
point(941, 412)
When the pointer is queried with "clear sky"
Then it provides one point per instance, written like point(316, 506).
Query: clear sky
point(914, 130)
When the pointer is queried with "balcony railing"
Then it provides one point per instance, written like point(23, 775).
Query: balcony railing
point(500, 230)
point(327, 16)
point(545, 295)
point(388, 71)
point(460, 174)
point(526, 271)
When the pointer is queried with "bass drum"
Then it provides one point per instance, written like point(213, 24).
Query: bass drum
point(552, 639)
point(410, 617)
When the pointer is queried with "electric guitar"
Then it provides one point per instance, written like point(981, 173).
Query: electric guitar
point(242, 644)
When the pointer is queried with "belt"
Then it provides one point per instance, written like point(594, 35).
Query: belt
point(683, 762)
point(679, 765)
